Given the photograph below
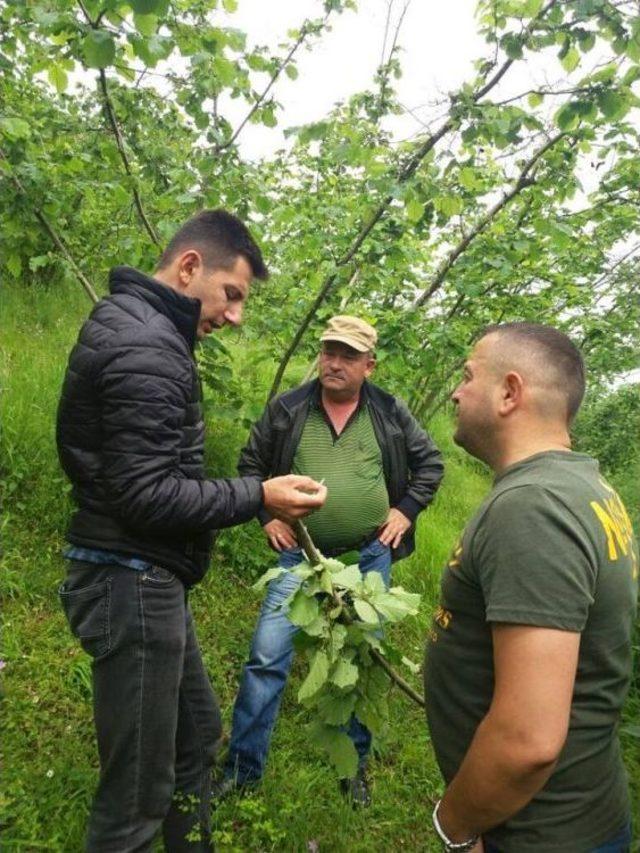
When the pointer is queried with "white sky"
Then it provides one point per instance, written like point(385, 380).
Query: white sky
point(439, 42)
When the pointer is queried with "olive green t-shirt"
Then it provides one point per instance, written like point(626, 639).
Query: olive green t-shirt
point(351, 466)
point(551, 546)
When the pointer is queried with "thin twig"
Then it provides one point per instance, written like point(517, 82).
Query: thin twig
point(260, 100)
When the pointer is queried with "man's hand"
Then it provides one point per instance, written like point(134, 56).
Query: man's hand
point(292, 496)
point(280, 535)
point(394, 528)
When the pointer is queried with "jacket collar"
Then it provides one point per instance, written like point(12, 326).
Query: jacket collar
point(183, 311)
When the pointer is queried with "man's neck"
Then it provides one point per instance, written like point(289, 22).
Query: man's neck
point(331, 401)
point(339, 411)
point(521, 447)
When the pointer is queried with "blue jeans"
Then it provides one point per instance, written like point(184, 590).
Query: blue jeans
point(265, 674)
point(157, 719)
point(619, 843)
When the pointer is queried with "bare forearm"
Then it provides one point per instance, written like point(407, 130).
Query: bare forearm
point(499, 775)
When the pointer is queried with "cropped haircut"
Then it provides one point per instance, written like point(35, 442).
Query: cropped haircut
point(220, 237)
point(556, 354)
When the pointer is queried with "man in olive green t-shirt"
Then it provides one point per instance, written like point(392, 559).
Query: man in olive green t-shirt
point(529, 658)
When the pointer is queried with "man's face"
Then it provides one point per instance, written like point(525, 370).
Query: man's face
point(476, 398)
point(342, 369)
point(222, 294)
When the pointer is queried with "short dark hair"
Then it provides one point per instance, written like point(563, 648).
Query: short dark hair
point(559, 355)
point(220, 237)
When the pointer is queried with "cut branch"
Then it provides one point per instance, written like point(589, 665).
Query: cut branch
point(54, 236)
point(314, 557)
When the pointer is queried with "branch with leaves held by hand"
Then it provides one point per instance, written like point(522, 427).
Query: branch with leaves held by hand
point(340, 615)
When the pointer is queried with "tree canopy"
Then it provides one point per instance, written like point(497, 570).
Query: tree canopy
point(114, 128)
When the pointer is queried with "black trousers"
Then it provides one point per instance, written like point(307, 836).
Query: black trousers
point(157, 718)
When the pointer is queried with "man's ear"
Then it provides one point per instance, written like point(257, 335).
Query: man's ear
point(511, 393)
point(371, 366)
point(188, 264)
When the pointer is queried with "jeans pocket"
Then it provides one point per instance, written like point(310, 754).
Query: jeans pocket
point(88, 614)
point(159, 577)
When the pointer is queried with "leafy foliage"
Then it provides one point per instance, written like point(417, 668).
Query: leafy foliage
point(340, 614)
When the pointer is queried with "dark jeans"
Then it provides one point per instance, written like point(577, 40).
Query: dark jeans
point(619, 843)
point(157, 718)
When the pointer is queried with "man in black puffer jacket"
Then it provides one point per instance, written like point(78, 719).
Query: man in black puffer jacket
point(130, 438)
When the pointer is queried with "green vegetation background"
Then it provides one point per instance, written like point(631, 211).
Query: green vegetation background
point(50, 761)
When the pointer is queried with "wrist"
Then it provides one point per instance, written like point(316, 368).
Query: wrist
point(449, 844)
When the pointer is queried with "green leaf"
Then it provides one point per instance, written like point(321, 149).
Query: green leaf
point(291, 71)
point(587, 42)
point(337, 639)
point(345, 674)
point(267, 577)
point(449, 205)
point(147, 25)
point(316, 677)
point(14, 265)
point(149, 7)
point(571, 60)
point(370, 715)
point(153, 49)
point(414, 209)
point(535, 99)
point(567, 118)
point(230, 5)
point(303, 609)
point(469, 178)
point(339, 746)
point(15, 128)
point(611, 104)
point(99, 49)
point(318, 627)
point(58, 77)
point(366, 612)
point(38, 261)
point(350, 577)
point(335, 709)
point(374, 584)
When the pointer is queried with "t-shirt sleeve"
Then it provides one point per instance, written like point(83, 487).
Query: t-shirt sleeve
point(533, 560)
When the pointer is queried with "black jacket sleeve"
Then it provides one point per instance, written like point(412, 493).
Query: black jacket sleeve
point(144, 388)
point(256, 457)
point(424, 462)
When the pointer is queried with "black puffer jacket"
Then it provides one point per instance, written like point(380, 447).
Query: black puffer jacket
point(130, 433)
point(411, 461)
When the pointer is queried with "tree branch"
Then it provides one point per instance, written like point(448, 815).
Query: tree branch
point(53, 235)
point(115, 128)
point(111, 115)
point(524, 181)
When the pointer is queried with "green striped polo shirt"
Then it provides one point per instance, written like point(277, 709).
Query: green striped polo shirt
point(351, 465)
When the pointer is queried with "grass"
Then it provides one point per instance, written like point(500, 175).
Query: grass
point(50, 767)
